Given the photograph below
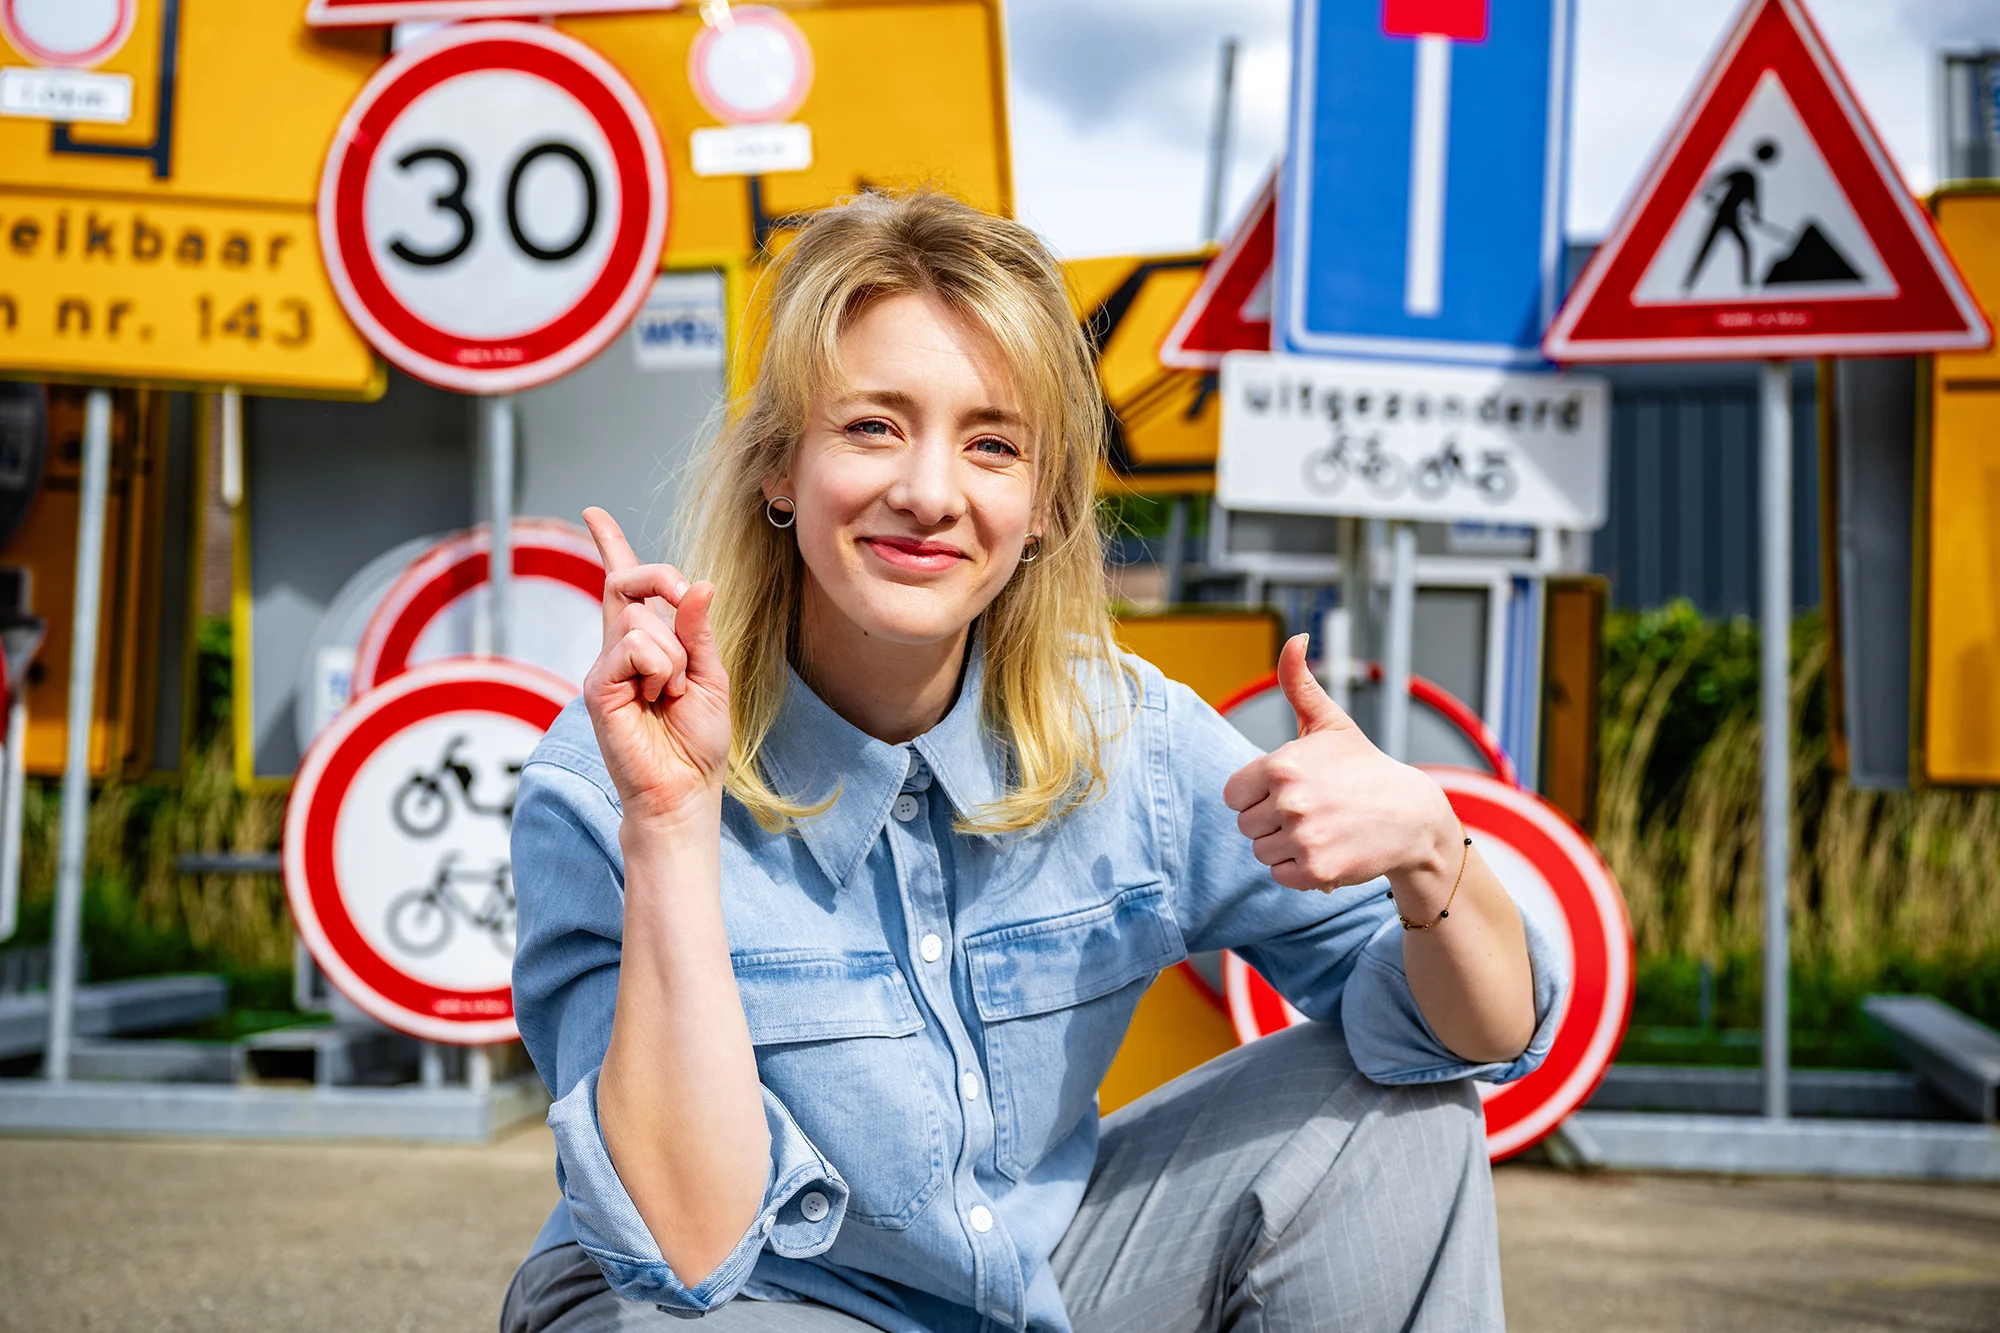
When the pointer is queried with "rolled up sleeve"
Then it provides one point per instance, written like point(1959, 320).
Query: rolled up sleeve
point(570, 892)
point(1337, 957)
point(1392, 1043)
point(610, 1230)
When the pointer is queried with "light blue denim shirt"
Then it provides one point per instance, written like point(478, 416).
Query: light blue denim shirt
point(932, 1011)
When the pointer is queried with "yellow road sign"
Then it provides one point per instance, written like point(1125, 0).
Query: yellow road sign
point(939, 119)
point(178, 245)
point(1959, 546)
point(1167, 423)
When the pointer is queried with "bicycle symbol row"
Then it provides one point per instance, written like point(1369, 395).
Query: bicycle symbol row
point(1327, 470)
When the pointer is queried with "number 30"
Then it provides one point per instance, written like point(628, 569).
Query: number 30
point(453, 201)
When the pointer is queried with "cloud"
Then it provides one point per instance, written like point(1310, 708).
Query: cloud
point(1140, 63)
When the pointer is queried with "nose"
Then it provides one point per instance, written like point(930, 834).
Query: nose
point(927, 485)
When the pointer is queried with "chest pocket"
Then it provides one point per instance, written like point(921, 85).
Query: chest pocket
point(835, 1038)
point(1055, 997)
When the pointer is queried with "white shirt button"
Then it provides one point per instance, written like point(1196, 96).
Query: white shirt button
point(981, 1218)
point(766, 1227)
point(906, 807)
point(968, 1083)
point(813, 1206)
point(931, 947)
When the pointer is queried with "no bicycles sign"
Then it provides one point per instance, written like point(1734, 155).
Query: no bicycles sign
point(1383, 439)
point(396, 844)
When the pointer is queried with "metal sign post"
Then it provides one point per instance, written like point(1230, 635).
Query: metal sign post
point(1396, 646)
point(496, 438)
point(1776, 596)
point(63, 962)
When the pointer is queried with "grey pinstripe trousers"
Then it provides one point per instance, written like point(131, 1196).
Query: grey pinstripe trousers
point(1272, 1190)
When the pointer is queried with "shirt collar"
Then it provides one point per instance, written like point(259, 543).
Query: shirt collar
point(811, 752)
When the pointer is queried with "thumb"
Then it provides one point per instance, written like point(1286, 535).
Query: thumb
point(692, 628)
point(1316, 711)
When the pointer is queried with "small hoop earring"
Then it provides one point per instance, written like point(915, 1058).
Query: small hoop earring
point(1032, 551)
point(780, 518)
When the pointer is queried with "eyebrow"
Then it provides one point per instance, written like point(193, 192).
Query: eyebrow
point(896, 400)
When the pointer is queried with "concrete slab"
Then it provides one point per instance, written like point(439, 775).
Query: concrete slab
point(1752, 1145)
point(108, 1008)
point(450, 1114)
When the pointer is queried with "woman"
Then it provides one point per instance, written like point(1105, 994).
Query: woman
point(840, 884)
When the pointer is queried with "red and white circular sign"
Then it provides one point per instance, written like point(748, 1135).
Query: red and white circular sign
point(396, 845)
point(74, 33)
point(755, 65)
point(1564, 887)
point(429, 612)
point(1443, 730)
point(493, 206)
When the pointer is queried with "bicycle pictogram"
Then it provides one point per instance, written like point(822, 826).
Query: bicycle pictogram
point(1495, 479)
point(423, 805)
point(1327, 469)
point(423, 920)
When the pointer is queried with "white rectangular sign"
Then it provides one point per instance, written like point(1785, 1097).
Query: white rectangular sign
point(65, 94)
point(1388, 439)
point(681, 326)
point(751, 150)
point(358, 13)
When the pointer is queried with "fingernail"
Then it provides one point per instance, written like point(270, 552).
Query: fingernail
point(681, 588)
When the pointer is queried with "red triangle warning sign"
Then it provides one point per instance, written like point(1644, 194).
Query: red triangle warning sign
point(1770, 224)
point(1231, 310)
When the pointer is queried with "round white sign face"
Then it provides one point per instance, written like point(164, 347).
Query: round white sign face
point(67, 32)
point(1564, 887)
point(757, 68)
point(397, 864)
point(430, 610)
point(493, 206)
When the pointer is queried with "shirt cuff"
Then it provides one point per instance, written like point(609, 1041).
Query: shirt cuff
point(1389, 1039)
point(804, 1202)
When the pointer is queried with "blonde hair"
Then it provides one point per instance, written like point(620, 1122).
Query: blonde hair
point(1047, 635)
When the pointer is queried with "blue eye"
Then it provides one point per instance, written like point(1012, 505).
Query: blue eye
point(874, 426)
point(997, 448)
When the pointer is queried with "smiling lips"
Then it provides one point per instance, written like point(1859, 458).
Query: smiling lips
point(909, 553)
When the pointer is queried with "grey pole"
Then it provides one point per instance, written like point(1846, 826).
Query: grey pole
point(1218, 142)
point(76, 759)
point(1396, 647)
point(1776, 598)
point(497, 435)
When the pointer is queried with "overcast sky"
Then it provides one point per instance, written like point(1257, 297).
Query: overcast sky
point(1112, 99)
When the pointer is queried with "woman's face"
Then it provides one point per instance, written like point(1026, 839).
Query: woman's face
point(915, 483)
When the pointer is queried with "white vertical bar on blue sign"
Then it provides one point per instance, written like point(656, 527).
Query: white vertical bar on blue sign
point(1352, 279)
point(1423, 253)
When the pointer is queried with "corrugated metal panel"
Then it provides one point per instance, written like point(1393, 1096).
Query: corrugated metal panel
point(1684, 490)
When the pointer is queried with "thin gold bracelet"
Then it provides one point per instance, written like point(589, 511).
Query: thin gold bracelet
point(1463, 857)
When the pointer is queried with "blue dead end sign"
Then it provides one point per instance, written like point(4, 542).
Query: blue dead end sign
point(1421, 213)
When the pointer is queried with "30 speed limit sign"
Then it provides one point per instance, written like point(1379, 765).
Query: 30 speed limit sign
point(493, 206)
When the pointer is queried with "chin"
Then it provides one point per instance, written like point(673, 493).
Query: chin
point(901, 613)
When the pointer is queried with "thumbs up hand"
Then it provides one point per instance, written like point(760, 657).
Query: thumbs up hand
point(1329, 809)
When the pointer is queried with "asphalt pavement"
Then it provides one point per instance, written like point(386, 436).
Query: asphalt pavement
point(305, 1238)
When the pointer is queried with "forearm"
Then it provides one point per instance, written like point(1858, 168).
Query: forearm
point(678, 1098)
point(1469, 973)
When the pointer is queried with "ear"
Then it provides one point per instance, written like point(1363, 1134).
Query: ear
point(778, 483)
